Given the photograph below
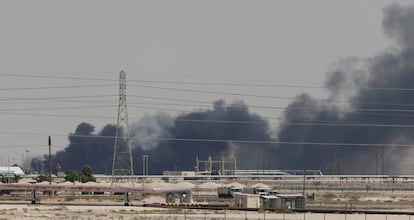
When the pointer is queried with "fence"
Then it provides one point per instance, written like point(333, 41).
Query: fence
point(240, 215)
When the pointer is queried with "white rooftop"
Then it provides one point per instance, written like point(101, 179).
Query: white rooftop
point(11, 170)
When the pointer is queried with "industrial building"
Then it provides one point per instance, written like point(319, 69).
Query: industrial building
point(288, 201)
point(268, 202)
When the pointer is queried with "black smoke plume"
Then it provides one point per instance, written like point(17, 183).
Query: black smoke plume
point(85, 149)
point(382, 95)
point(210, 125)
point(165, 140)
point(376, 91)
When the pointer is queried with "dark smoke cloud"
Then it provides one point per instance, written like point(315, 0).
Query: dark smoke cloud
point(398, 25)
point(351, 100)
point(145, 132)
point(392, 69)
point(86, 148)
point(180, 155)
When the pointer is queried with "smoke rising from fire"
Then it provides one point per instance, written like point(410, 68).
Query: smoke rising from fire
point(374, 92)
point(361, 92)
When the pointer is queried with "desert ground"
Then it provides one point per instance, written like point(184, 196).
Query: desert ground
point(340, 196)
point(118, 212)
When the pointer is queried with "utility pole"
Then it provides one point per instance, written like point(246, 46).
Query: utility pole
point(220, 165)
point(122, 160)
point(197, 168)
point(235, 164)
point(145, 165)
point(334, 161)
point(382, 159)
point(26, 162)
point(376, 163)
point(8, 169)
point(304, 182)
point(50, 160)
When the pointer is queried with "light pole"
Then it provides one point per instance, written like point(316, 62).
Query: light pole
point(37, 166)
point(8, 168)
point(42, 166)
point(27, 160)
point(145, 165)
point(50, 160)
point(144, 168)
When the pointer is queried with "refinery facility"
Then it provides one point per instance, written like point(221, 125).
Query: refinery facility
point(207, 110)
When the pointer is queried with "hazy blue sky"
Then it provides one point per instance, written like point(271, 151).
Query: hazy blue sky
point(276, 42)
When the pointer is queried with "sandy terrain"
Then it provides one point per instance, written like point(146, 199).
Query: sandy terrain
point(119, 212)
point(357, 195)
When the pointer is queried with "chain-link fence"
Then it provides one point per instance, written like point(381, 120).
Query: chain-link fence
point(242, 215)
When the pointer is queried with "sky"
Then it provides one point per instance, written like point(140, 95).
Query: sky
point(60, 60)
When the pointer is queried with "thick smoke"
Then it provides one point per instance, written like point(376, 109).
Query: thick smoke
point(376, 100)
point(166, 140)
point(398, 25)
point(86, 149)
point(210, 125)
point(361, 92)
point(145, 132)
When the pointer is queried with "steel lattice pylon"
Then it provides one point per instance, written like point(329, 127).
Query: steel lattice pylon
point(122, 162)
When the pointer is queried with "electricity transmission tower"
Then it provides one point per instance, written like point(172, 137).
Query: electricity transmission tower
point(122, 161)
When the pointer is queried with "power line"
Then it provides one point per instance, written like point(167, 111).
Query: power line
point(208, 105)
point(242, 94)
point(350, 124)
point(353, 111)
point(38, 75)
point(57, 108)
point(285, 108)
point(232, 106)
point(237, 141)
point(8, 98)
point(56, 115)
point(210, 92)
point(55, 87)
point(8, 73)
point(296, 123)
point(201, 91)
point(169, 99)
point(287, 142)
point(56, 77)
point(67, 98)
point(20, 146)
point(312, 123)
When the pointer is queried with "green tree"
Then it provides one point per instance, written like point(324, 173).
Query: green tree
point(71, 176)
point(42, 178)
point(9, 179)
point(86, 175)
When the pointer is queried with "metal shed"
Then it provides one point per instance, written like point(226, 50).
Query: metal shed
point(243, 200)
point(292, 201)
point(270, 202)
